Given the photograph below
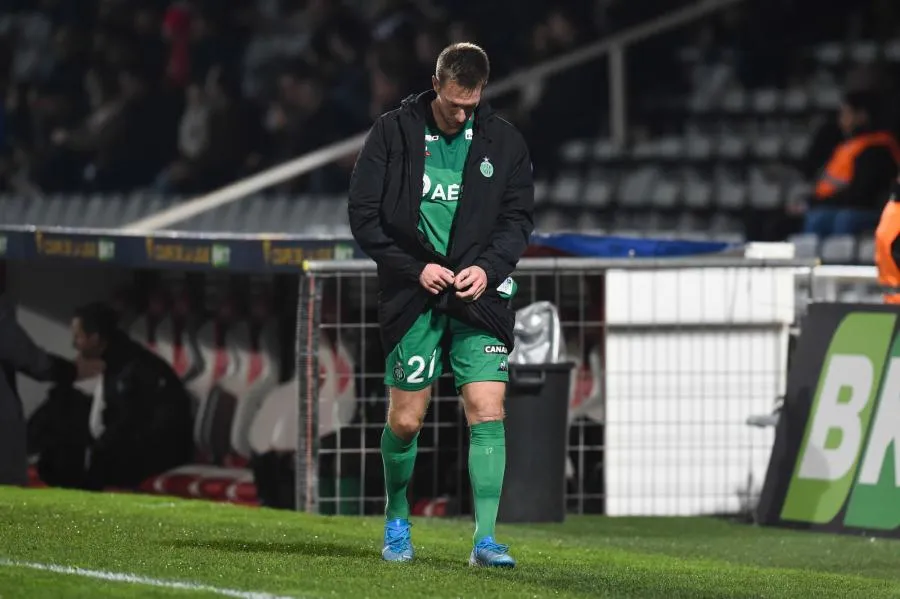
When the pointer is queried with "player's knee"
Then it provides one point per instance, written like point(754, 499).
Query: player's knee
point(405, 424)
point(480, 417)
point(405, 421)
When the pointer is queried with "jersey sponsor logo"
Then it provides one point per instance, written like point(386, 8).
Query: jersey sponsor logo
point(504, 366)
point(432, 137)
point(443, 193)
point(495, 349)
point(468, 134)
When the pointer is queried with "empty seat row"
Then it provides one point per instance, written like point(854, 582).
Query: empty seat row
point(768, 101)
point(691, 148)
point(835, 249)
point(865, 52)
point(651, 187)
point(301, 215)
point(643, 223)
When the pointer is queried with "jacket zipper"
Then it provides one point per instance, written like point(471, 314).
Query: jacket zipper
point(417, 199)
point(462, 195)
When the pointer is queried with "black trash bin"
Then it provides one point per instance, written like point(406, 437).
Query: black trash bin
point(537, 409)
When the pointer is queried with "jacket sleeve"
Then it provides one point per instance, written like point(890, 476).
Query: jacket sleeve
point(512, 231)
point(19, 351)
point(364, 207)
point(873, 171)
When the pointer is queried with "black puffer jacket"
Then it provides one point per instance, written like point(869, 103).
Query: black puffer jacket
point(493, 218)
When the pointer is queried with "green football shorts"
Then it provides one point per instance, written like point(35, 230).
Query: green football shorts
point(417, 361)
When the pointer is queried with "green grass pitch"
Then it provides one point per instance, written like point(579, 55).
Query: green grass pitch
point(141, 546)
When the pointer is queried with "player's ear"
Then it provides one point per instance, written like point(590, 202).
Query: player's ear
point(436, 84)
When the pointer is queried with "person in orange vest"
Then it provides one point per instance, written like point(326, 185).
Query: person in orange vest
point(850, 189)
point(887, 248)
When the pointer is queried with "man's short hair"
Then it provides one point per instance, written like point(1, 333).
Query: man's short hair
point(99, 318)
point(463, 63)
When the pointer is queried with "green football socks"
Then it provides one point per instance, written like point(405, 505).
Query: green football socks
point(487, 462)
point(399, 458)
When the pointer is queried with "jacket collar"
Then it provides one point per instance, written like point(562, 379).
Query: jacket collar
point(418, 104)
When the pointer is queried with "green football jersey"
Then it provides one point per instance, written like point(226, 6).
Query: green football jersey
point(445, 160)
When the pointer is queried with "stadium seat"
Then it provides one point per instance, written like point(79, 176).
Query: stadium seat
point(541, 192)
point(665, 194)
point(566, 189)
point(864, 52)
point(731, 147)
point(722, 222)
point(218, 361)
point(635, 188)
point(606, 151)
point(765, 194)
point(768, 146)
point(274, 427)
point(730, 194)
point(132, 209)
point(167, 330)
point(589, 222)
point(256, 346)
point(102, 211)
point(550, 220)
point(838, 249)
point(806, 245)
point(734, 101)
point(892, 50)
point(575, 152)
point(597, 194)
point(827, 98)
point(796, 100)
point(34, 211)
point(796, 145)
point(698, 147)
point(74, 211)
point(830, 53)
point(766, 101)
point(13, 209)
point(865, 250)
point(697, 192)
point(671, 148)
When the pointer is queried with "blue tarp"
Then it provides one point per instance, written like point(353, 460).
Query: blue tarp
point(602, 246)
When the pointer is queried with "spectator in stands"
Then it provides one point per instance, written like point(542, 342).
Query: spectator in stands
point(302, 121)
point(18, 353)
point(141, 425)
point(215, 136)
point(851, 189)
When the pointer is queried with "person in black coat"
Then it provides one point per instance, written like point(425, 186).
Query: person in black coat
point(146, 418)
point(19, 353)
point(441, 198)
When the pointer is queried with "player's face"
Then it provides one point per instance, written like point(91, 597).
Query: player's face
point(455, 104)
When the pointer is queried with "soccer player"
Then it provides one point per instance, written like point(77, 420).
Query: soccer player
point(441, 197)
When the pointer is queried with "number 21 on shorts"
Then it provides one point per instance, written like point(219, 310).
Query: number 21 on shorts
point(417, 364)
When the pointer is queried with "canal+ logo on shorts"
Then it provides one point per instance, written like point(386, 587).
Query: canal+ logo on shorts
point(848, 466)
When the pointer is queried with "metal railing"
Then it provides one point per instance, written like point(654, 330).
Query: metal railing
point(671, 357)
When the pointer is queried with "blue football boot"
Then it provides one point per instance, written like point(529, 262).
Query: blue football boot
point(397, 542)
point(489, 554)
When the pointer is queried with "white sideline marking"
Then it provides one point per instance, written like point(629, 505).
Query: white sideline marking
point(135, 579)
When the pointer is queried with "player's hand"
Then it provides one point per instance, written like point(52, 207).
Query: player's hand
point(435, 278)
point(470, 283)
